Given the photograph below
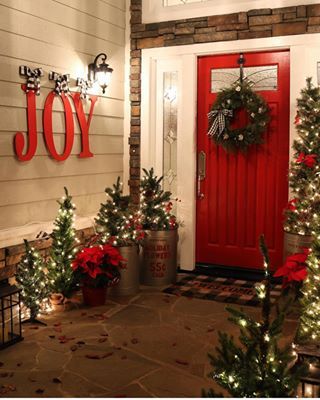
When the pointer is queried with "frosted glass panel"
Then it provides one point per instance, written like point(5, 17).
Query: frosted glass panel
point(170, 106)
point(263, 78)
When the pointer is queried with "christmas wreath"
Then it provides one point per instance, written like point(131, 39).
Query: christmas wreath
point(239, 95)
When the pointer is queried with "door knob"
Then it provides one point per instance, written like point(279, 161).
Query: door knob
point(201, 172)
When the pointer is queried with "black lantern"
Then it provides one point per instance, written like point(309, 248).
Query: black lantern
point(100, 72)
point(310, 383)
point(10, 315)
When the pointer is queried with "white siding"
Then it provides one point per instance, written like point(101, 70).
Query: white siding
point(63, 36)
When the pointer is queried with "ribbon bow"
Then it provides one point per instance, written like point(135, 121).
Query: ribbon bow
point(218, 118)
point(33, 78)
point(61, 81)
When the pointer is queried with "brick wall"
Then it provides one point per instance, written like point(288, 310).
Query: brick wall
point(10, 256)
point(260, 23)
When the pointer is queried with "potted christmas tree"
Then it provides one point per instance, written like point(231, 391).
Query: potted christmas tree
point(61, 279)
point(121, 227)
point(160, 245)
point(258, 366)
point(31, 279)
point(304, 206)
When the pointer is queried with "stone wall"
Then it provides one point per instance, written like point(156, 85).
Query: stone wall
point(10, 256)
point(260, 23)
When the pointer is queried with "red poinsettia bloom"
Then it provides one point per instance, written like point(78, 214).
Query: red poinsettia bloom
point(292, 205)
point(297, 120)
point(169, 206)
point(96, 261)
point(309, 160)
point(294, 268)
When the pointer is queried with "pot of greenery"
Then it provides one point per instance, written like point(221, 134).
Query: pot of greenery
point(96, 268)
point(159, 250)
point(121, 228)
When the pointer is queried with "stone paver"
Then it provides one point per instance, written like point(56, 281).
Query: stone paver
point(148, 345)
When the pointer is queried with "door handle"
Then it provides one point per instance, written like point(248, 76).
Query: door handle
point(201, 172)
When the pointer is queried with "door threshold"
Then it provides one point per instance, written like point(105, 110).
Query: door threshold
point(224, 271)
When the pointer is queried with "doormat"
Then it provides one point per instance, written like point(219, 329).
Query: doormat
point(225, 290)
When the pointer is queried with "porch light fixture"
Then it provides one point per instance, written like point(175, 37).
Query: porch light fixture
point(100, 71)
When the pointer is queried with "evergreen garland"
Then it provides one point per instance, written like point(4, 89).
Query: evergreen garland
point(60, 274)
point(31, 279)
point(258, 367)
point(155, 204)
point(303, 210)
point(222, 113)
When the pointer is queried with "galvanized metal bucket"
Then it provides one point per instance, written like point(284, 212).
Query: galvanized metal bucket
point(159, 258)
point(130, 274)
point(293, 243)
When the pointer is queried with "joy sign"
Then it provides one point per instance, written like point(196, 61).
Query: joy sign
point(30, 142)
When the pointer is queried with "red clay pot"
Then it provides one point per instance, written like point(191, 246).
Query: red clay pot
point(94, 296)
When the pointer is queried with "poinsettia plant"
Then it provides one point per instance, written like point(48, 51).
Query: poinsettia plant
point(98, 266)
point(294, 270)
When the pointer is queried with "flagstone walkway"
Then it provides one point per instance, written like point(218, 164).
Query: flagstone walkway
point(149, 345)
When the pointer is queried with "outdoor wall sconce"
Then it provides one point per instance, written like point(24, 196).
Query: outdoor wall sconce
point(101, 72)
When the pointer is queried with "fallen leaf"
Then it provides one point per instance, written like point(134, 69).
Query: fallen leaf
point(52, 336)
point(7, 388)
point(33, 327)
point(56, 380)
point(182, 362)
point(81, 342)
point(104, 334)
point(32, 379)
point(102, 340)
point(187, 328)
point(19, 364)
point(210, 330)
point(174, 344)
point(57, 324)
point(134, 341)
point(74, 347)
point(40, 391)
point(98, 356)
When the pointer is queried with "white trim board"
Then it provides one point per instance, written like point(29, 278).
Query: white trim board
point(304, 54)
point(154, 11)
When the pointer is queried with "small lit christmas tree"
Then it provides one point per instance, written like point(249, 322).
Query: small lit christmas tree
point(31, 279)
point(309, 327)
point(302, 213)
point(118, 225)
point(155, 204)
point(258, 367)
point(64, 246)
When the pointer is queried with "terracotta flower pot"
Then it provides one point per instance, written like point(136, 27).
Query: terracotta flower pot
point(94, 296)
point(59, 302)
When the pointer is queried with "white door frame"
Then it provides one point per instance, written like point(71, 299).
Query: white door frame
point(303, 63)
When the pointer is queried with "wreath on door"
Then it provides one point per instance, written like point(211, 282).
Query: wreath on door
point(239, 95)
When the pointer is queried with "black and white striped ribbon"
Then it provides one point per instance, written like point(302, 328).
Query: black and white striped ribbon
point(33, 78)
point(217, 118)
point(61, 81)
point(84, 86)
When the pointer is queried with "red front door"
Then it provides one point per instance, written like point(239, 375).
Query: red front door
point(243, 195)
